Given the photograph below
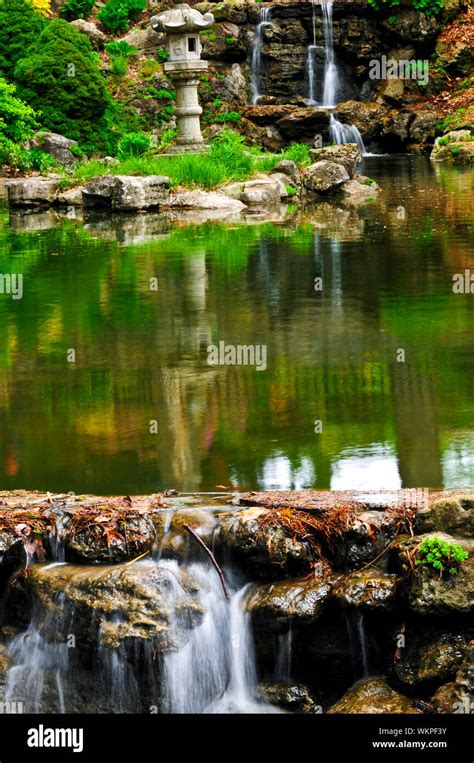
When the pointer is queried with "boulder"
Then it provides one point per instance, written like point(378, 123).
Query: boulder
point(293, 698)
point(198, 199)
point(132, 192)
point(96, 37)
point(366, 117)
point(70, 198)
point(413, 27)
point(57, 146)
point(236, 12)
point(324, 176)
point(32, 191)
point(457, 696)
point(266, 550)
point(303, 124)
point(456, 147)
point(373, 696)
point(263, 192)
point(423, 127)
point(287, 167)
point(453, 515)
point(430, 659)
point(233, 88)
point(348, 155)
point(301, 600)
point(428, 593)
point(395, 126)
point(368, 589)
point(108, 537)
point(225, 41)
point(126, 192)
point(454, 53)
point(117, 606)
point(146, 40)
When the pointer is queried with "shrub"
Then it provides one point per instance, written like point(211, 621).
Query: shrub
point(427, 7)
point(17, 124)
point(229, 116)
point(162, 55)
point(60, 77)
point(119, 53)
point(43, 6)
point(440, 555)
point(133, 144)
point(20, 25)
point(117, 14)
point(77, 9)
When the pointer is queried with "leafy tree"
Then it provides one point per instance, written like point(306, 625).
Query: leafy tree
point(17, 124)
point(20, 26)
point(60, 78)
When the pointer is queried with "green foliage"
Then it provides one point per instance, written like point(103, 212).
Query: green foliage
point(466, 83)
point(133, 144)
point(20, 25)
point(17, 119)
point(119, 53)
point(455, 150)
point(229, 116)
point(148, 68)
point(162, 55)
point(443, 141)
point(290, 189)
point(298, 153)
point(428, 7)
point(440, 555)
point(60, 78)
point(77, 9)
point(230, 40)
point(167, 139)
point(117, 14)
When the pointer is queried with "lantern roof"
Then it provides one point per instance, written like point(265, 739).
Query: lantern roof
point(180, 19)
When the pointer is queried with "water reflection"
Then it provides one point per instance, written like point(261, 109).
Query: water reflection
point(141, 354)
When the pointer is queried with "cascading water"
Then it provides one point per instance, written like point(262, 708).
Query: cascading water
point(256, 59)
point(340, 133)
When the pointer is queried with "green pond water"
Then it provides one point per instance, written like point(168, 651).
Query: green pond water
point(332, 355)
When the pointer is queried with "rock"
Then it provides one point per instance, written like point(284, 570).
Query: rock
point(126, 192)
point(427, 593)
point(97, 192)
point(303, 124)
point(266, 137)
point(364, 538)
point(266, 114)
point(205, 200)
point(32, 191)
point(233, 88)
point(294, 698)
point(57, 146)
point(109, 539)
point(266, 551)
point(453, 515)
point(430, 659)
point(132, 192)
point(392, 90)
point(348, 155)
point(456, 147)
point(373, 696)
point(236, 12)
point(423, 127)
point(70, 198)
point(118, 605)
point(302, 600)
point(264, 192)
point(287, 167)
point(355, 192)
point(173, 540)
point(225, 42)
point(454, 53)
point(368, 590)
point(284, 184)
point(458, 696)
point(96, 36)
point(323, 176)
point(146, 40)
point(366, 117)
point(413, 27)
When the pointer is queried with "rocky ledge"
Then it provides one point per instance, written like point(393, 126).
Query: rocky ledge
point(332, 174)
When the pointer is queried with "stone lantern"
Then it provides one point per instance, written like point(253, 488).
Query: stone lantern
point(182, 25)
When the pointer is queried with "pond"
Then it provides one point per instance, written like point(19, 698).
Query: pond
point(105, 385)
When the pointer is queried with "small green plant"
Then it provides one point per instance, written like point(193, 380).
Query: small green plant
point(443, 141)
point(77, 9)
point(392, 20)
point(442, 556)
point(230, 40)
point(290, 190)
point(117, 14)
point(428, 7)
point(133, 144)
point(298, 153)
point(119, 54)
point(162, 55)
point(466, 83)
point(455, 150)
point(148, 68)
point(211, 36)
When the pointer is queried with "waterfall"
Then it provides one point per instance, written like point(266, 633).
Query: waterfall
point(256, 61)
point(330, 69)
point(341, 133)
point(362, 642)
